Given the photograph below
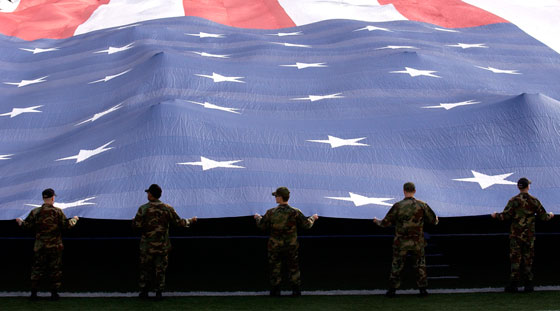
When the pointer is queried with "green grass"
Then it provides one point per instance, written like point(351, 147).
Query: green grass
point(479, 301)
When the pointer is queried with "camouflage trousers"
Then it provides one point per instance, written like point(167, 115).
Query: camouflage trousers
point(287, 258)
point(47, 262)
point(152, 270)
point(521, 255)
point(399, 260)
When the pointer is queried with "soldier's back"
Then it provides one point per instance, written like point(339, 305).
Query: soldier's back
point(48, 231)
point(524, 209)
point(410, 218)
point(283, 225)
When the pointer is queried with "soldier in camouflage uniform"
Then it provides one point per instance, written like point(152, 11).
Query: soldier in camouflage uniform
point(153, 220)
point(408, 216)
point(522, 210)
point(48, 222)
point(282, 222)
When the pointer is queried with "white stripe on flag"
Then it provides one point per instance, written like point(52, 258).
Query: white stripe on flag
point(304, 12)
point(124, 12)
point(8, 6)
point(538, 18)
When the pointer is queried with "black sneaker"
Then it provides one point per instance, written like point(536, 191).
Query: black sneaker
point(54, 295)
point(423, 292)
point(275, 291)
point(392, 292)
point(296, 291)
point(511, 288)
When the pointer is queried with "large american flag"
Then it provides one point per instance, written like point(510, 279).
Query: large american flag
point(221, 102)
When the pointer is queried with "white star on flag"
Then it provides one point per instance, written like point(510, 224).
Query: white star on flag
point(212, 106)
point(17, 111)
point(210, 55)
point(336, 142)
point(416, 72)
point(86, 154)
point(112, 50)
point(468, 46)
point(314, 98)
point(394, 47)
point(372, 28)
point(39, 50)
point(205, 35)
point(448, 106)
point(100, 114)
point(446, 30)
point(360, 200)
point(5, 156)
point(129, 26)
point(305, 65)
point(495, 70)
point(27, 82)
point(486, 181)
point(292, 44)
point(108, 78)
point(219, 78)
point(71, 204)
point(208, 164)
point(284, 34)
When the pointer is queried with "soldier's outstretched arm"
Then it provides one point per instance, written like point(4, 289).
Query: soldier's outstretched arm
point(262, 221)
point(67, 223)
point(192, 220)
point(541, 212)
point(137, 220)
point(177, 221)
point(306, 222)
point(73, 221)
point(29, 221)
point(431, 216)
point(508, 211)
point(389, 219)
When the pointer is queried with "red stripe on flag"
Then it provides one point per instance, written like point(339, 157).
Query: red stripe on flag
point(263, 14)
point(445, 13)
point(36, 19)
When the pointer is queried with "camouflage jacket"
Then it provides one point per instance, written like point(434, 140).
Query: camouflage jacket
point(153, 220)
point(282, 222)
point(48, 222)
point(408, 216)
point(522, 210)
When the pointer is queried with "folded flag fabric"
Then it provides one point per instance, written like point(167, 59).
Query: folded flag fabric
point(221, 102)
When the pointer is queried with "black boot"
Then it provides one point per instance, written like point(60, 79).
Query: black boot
point(33, 294)
point(529, 288)
point(159, 296)
point(54, 295)
point(511, 288)
point(392, 292)
point(423, 292)
point(275, 291)
point(143, 294)
point(296, 291)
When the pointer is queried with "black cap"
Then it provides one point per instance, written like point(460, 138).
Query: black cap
point(281, 192)
point(155, 190)
point(48, 193)
point(523, 183)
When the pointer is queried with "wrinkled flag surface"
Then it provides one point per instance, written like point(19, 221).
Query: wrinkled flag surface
point(221, 102)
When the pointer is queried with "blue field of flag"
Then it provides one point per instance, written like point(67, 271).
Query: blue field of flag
point(341, 112)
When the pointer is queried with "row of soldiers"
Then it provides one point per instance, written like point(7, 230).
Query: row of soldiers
point(408, 216)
